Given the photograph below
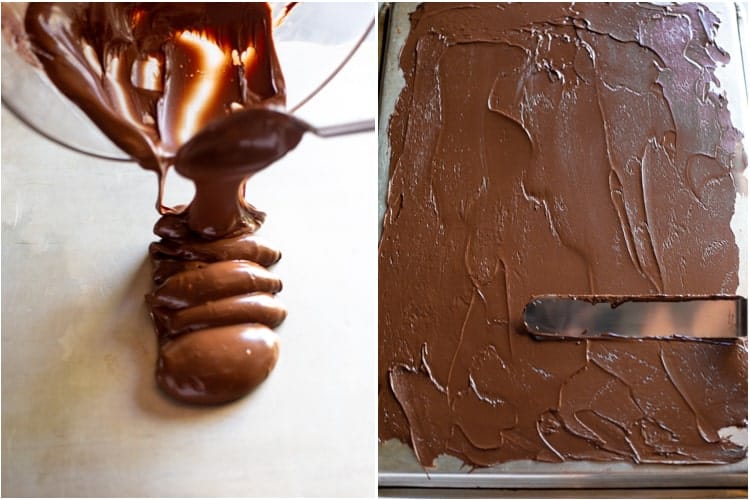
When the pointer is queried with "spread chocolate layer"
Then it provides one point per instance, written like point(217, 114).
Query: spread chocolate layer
point(557, 149)
point(190, 86)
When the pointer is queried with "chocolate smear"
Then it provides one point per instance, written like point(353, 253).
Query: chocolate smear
point(557, 149)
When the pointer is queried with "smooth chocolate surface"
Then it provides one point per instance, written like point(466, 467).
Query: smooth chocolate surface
point(190, 86)
point(557, 149)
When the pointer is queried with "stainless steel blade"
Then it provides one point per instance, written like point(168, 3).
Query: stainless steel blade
point(555, 316)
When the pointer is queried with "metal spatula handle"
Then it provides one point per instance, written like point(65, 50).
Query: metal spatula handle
point(344, 128)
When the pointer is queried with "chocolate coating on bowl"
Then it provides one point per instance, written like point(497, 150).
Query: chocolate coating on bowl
point(189, 86)
point(566, 149)
point(152, 75)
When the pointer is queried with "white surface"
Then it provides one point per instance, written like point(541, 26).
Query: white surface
point(81, 415)
point(732, 37)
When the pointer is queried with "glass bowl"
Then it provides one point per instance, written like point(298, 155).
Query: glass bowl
point(313, 42)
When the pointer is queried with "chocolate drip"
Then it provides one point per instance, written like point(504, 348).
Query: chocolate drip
point(258, 137)
point(557, 149)
point(189, 86)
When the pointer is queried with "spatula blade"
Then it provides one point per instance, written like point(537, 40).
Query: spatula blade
point(556, 316)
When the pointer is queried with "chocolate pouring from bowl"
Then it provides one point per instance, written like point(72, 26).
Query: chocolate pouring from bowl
point(303, 36)
point(207, 79)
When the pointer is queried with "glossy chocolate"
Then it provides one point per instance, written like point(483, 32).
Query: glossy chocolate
point(153, 75)
point(203, 289)
point(258, 137)
point(566, 149)
point(217, 365)
point(189, 86)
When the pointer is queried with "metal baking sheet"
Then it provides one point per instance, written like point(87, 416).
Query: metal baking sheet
point(397, 465)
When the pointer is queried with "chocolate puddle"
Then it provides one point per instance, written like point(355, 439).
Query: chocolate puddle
point(556, 149)
point(190, 86)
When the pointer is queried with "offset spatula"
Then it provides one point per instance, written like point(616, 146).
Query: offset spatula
point(556, 316)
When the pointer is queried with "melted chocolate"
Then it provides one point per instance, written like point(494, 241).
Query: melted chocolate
point(556, 149)
point(189, 86)
point(152, 75)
